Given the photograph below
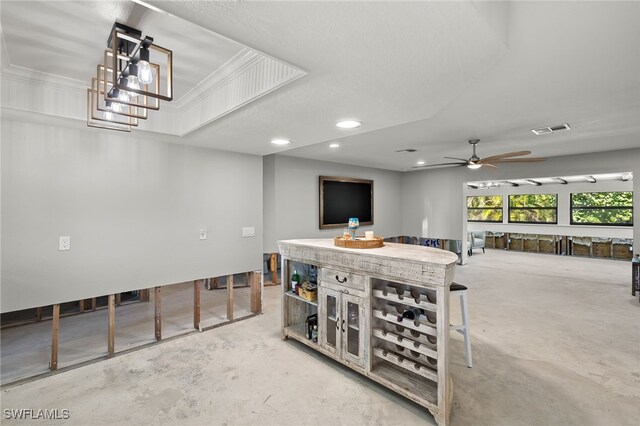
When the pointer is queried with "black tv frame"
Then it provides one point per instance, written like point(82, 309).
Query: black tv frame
point(341, 179)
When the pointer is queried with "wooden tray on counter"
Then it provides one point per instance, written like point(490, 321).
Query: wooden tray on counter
point(359, 242)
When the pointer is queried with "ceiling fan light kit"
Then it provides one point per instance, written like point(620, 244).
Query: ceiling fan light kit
point(475, 162)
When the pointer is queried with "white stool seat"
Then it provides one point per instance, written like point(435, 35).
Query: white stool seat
point(464, 327)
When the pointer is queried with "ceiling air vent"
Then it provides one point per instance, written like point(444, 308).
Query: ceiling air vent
point(551, 129)
point(404, 151)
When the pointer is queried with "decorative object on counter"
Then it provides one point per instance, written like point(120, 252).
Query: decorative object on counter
point(354, 224)
point(295, 281)
point(359, 242)
point(346, 234)
point(369, 235)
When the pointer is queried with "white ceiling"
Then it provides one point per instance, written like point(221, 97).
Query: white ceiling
point(68, 38)
point(423, 75)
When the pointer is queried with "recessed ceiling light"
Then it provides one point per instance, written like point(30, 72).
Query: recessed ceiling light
point(280, 141)
point(348, 124)
point(334, 145)
point(420, 163)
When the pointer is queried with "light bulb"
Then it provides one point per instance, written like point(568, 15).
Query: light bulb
point(145, 75)
point(132, 83)
point(123, 95)
point(117, 107)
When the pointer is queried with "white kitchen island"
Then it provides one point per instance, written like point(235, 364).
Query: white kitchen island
point(361, 294)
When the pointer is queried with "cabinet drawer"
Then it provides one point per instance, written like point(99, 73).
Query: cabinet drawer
point(345, 279)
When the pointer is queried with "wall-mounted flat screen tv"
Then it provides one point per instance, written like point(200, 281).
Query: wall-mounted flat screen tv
point(342, 198)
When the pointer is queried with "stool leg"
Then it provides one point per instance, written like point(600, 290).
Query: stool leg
point(465, 322)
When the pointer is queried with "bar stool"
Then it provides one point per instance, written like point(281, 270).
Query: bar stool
point(464, 327)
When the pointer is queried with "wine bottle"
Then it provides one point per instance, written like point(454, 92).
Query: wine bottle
point(295, 281)
point(411, 314)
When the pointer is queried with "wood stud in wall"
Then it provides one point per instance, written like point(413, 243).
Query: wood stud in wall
point(253, 280)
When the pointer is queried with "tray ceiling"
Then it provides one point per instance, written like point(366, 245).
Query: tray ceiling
point(423, 75)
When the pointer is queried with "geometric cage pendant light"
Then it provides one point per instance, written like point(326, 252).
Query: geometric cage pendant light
point(135, 75)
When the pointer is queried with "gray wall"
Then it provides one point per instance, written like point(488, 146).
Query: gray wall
point(132, 204)
point(433, 200)
point(292, 203)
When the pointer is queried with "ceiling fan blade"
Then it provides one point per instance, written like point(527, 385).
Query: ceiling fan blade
point(461, 159)
point(441, 164)
point(505, 155)
point(490, 165)
point(520, 160)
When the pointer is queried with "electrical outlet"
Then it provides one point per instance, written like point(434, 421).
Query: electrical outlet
point(64, 243)
point(203, 233)
point(249, 232)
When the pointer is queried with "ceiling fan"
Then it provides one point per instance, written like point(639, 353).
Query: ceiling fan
point(475, 162)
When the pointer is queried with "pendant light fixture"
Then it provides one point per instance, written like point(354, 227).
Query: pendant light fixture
point(128, 83)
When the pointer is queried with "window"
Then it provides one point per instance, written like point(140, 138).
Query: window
point(602, 208)
point(533, 208)
point(484, 208)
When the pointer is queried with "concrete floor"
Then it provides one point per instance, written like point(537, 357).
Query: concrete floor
point(556, 340)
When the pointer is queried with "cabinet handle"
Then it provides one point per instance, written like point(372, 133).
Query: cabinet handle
point(343, 326)
point(337, 323)
point(341, 281)
point(345, 291)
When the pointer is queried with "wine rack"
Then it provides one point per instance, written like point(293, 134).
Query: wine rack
point(409, 347)
point(361, 296)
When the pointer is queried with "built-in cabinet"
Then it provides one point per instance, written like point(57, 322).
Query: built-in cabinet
point(341, 323)
point(362, 295)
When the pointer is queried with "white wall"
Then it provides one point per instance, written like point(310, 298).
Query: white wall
point(291, 189)
point(563, 227)
point(434, 201)
point(133, 205)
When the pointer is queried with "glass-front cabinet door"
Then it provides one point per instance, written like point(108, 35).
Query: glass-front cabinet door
point(329, 321)
point(352, 328)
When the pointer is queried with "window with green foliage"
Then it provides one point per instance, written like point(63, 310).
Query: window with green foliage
point(602, 208)
point(484, 208)
point(533, 208)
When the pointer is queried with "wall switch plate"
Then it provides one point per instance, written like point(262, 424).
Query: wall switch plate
point(64, 243)
point(203, 233)
point(249, 232)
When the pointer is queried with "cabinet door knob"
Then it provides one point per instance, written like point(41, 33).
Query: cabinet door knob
point(337, 323)
point(344, 280)
point(343, 326)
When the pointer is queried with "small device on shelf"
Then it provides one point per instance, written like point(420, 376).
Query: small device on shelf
point(310, 324)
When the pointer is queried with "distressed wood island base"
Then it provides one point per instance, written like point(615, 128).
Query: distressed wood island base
point(361, 295)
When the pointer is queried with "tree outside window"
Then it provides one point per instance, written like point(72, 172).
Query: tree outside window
point(533, 208)
point(484, 208)
point(602, 208)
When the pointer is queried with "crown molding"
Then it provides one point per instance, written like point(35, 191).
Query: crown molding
point(253, 75)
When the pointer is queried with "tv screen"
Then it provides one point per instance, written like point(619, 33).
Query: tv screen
point(342, 198)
